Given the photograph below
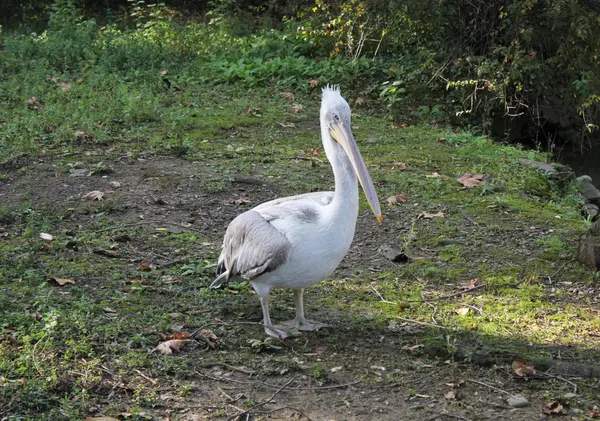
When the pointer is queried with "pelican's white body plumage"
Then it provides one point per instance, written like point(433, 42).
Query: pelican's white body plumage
point(296, 242)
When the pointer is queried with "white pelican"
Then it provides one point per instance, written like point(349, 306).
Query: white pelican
point(295, 242)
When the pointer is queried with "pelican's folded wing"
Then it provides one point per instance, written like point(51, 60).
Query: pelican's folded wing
point(252, 246)
point(321, 197)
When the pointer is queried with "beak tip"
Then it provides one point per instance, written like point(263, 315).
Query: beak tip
point(379, 218)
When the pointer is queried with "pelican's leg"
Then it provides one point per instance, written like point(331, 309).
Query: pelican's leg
point(276, 332)
point(300, 321)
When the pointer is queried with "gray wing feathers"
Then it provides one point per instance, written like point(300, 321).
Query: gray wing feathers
point(252, 246)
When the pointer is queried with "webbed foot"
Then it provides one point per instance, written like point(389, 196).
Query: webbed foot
point(304, 324)
point(280, 332)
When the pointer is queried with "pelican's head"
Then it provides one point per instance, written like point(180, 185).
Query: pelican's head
point(335, 124)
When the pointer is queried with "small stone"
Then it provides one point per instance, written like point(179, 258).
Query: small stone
point(590, 211)
point(518, 401)
point(588, 190)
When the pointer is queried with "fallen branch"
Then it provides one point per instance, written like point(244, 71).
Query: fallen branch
point(237, 416)
point(420, 323)
point(445, 297)
point(137, 224)
point(497, 389)
point(229, 367)
point(274, 386)
point(383, 300)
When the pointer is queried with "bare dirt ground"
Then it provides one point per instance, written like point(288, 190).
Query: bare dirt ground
point(362, 368)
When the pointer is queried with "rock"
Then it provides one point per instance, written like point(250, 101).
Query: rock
point(372, 140)
point(518, 401)
point(558, 174)
point(547, 168)
point(588, 190)
point(590, 211)
point(394, 255)
point(589, 251)
point(595, 229)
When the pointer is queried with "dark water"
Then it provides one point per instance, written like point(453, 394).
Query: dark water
point(583, 162)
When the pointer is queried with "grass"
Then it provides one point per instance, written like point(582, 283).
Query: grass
point(66, 351)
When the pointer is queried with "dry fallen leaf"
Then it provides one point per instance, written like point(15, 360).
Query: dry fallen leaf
point(61, 281)
point(394, 200)
point(94, 195)
point(451, 394)
point(208, 337)
point(46, 236)
point(434, 175)
point(179, 335)
point(33, 102)
point(313, 152)
point(427, 215)
point(287, 95)
point(297, 108)
point(144, 267)
point(253, 111)
point(66, 87)
point(472, 284)
point(240, 201)
point(441, 140)
point(100, 419)
point(553, 408)
point(399, 166)
point(172, 345)
point(83, 136)
point(313, 83)
point(471, 180)
point(114, 184)
point(360, 100)
point(140, 281)
point(463, 311)
point(594, 414)
point(522, 369)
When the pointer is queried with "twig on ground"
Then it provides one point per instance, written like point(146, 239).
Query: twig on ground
point(383, 300)
point(154, 382)
point(420, 323)
point(335, 386)
point(264, 402)
point(231, 400)
point(287, 407)
point(444, 297)
point(445, 414)
point(491, 387)
point(575, 388)
point(118, 227)
point(229, 367)
point(434, 307)
point(561, 268)
point(274, 386)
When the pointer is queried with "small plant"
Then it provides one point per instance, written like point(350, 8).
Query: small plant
point(267, 344)
point(319, 371)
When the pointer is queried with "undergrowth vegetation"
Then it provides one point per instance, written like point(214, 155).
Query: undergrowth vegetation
point(406, 58)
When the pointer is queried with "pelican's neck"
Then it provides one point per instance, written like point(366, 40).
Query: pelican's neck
point(345, 197)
